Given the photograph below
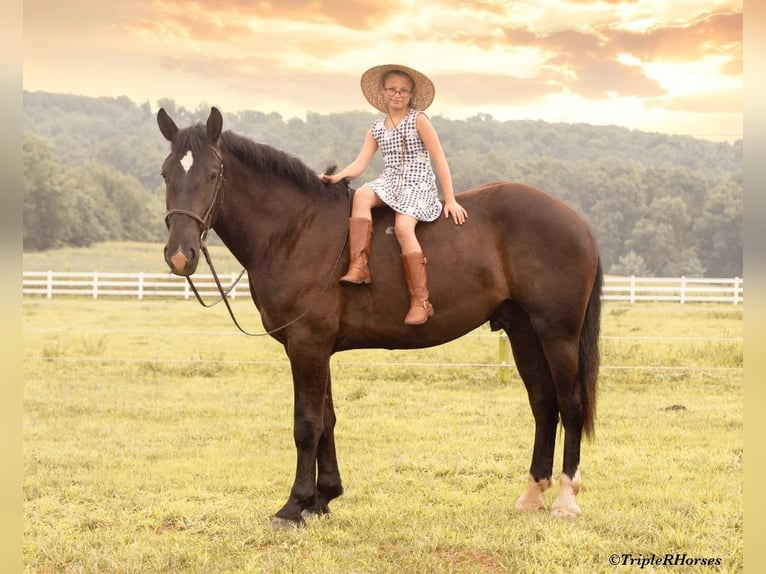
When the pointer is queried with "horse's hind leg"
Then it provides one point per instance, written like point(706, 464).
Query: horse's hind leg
point(533, 369)
point(562, 355)
point(329, 484)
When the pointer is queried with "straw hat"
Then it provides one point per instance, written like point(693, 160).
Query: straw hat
point(372, 84)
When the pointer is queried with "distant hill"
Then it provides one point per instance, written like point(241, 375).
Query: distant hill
point(621, 180)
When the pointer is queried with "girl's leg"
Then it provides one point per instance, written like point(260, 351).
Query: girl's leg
point(414, 265)
point(360, 236)
point(364, 200)
point(404, 227)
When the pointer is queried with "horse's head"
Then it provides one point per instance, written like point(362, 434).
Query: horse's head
point(193, 174)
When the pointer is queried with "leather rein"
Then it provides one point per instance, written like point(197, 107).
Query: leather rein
point(206, 223)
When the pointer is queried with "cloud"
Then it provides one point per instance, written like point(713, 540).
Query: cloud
point(714, 34)
point(273, 39)
point(719, 102)
point(585, 64)
point(592, 63)
point(266, 87)
point(732, 68)
point(550, 58)
point(172, 22)
point(476, 89)
point(209, 19)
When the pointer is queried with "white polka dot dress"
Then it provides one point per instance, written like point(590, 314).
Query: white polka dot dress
point(407, 183)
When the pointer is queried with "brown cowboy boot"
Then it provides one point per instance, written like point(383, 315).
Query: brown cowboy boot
point(359, 241)
point(414, 265)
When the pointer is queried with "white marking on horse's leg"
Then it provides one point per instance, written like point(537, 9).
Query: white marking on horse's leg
point(187, 161)
point(532, 499)
point(565, 505)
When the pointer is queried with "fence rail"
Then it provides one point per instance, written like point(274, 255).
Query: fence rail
point(143, 285)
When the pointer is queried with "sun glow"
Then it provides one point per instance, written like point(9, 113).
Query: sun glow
point(544, 60)
point(692, 77)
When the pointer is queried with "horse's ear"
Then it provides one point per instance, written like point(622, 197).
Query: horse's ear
point(167, 126)
point(214, 125)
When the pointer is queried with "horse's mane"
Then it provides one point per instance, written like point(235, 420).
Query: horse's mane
point(262, 157)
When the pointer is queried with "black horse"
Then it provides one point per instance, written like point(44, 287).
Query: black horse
point(524, 261)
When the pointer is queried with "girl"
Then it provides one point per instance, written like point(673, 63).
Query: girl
point(407, 184)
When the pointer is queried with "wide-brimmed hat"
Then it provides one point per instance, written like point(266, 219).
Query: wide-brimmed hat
point(372, 84)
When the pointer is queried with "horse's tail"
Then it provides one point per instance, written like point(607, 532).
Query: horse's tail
point(590, 357)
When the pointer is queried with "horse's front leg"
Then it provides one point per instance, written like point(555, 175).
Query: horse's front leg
point(310, 386)
point(329, 484)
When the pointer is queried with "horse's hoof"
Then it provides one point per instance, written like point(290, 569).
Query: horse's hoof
point(565, 512)
point(285, 523)
point(565, 505)
point(532, 498)
point(307, 514)
point(529, 505)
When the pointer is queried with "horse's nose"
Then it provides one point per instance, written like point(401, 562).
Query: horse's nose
point(178, 262)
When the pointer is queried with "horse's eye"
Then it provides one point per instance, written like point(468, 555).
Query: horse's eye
point(213, 175)
point(163, 175)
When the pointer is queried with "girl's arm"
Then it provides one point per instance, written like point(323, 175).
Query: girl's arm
point(433, 145)
point(356, 167)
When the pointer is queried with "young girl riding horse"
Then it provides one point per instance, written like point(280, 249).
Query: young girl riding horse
point(407, 183)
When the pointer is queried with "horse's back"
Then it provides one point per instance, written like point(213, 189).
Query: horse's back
point(547, 248)
point(522, 212)
point(518, 244)
point(516, 226)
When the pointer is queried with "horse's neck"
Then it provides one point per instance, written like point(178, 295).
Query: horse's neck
point(264, 222)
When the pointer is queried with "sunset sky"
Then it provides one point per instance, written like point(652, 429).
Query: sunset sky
point(651, 65)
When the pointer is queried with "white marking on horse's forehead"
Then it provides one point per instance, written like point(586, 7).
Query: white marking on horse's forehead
point(187, 161)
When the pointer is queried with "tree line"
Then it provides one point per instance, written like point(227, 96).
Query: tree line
point(660, 205)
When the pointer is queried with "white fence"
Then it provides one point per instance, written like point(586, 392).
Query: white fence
point(677, 289)
point(143, 285)
point(136, 285)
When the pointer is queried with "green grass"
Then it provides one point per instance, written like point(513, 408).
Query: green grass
point(119, 257)
point(157, 439)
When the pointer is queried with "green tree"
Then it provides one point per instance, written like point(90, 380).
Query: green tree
point(47, 213)
point(622, 181)
point(660, 236)
point(630, 264)
point(719, 230)
point(133, 214)
point(93, 220)
point(608, 224)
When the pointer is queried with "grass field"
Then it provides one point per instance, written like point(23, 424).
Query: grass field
point(118, 257)
point(157, 439)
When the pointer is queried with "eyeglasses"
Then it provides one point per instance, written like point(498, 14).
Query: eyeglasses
point(404, 92)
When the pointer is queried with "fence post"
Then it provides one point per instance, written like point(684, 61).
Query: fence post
point(503, 369)
point(49, 285)
point(95, 284)
point(736, 290)
point(233, 289)
point(140, 285)
point(683, 289)
point(632, 288)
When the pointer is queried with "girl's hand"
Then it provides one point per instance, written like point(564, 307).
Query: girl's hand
point(457, 211)
point(330, 178)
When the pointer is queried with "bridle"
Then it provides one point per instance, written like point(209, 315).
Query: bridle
point(206, 223)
